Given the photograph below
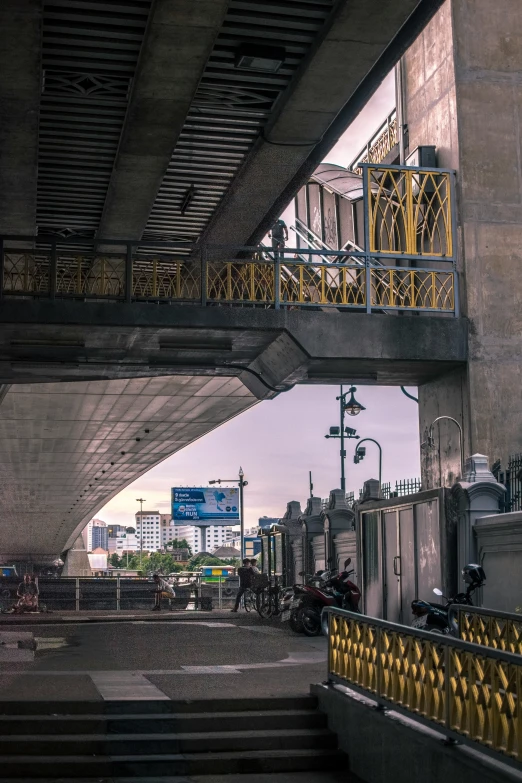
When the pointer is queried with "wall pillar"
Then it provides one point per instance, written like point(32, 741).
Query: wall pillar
point(477, 495)
point(463, 94)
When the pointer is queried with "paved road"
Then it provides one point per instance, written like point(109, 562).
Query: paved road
point(210, 656)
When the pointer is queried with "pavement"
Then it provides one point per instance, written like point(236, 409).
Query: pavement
point(155, 656)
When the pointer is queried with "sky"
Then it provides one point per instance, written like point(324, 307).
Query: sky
point(277, 442)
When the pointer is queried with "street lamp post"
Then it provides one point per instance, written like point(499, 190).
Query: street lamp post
point(242, 484)
point(360, 454)
point(141, 501)
point(352, 408)
point(431, 441)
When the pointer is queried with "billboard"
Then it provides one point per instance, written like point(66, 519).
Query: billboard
point(205, 504)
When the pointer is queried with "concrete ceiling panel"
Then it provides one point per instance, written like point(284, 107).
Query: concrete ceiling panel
point(57, 443)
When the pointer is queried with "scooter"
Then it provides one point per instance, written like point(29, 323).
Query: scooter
point(294, 597)
point(433, 617)
point(334, 590)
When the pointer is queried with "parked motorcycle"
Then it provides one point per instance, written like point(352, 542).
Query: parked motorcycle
point(433, 617)
point(334, 589)
point(293, 598)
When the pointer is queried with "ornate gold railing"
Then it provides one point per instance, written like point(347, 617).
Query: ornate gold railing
point(471, 693)
point(254, 277)
point(489, 628)
point(379, 146)
point(409, 212)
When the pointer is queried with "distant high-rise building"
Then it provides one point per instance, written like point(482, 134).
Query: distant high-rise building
point(266, 522)
point(88, 531)
point(100, 538)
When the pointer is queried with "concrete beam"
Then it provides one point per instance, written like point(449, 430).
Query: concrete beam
point(177, 45)
point(364, 41)
point(20, 86)
point(47, 341)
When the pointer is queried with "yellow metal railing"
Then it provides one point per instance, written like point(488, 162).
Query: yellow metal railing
point(498, 630)
point(409, 211)
point(342, 281)
point(471, 693)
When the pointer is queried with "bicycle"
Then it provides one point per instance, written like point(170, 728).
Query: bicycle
point(249, 600)
point(268, 601)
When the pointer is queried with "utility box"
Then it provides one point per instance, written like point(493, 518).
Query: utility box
point(423, 157)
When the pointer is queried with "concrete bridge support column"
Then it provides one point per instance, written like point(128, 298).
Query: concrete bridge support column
point(463, 90)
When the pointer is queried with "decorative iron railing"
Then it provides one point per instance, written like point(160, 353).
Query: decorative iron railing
point(512, 480)
point(402, 488)
point(409, 212)
point(469, 693)
point(489, 628)
point(406, 264)
point(380, 144)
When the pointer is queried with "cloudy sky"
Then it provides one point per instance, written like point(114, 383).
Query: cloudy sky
point(278, 442)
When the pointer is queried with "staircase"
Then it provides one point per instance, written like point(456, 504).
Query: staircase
point(146, 739)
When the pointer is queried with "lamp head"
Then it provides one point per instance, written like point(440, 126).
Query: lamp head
point(352, 407)
point(334, 431)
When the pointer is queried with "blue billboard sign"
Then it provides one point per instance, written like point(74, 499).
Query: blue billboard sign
point(205, 504)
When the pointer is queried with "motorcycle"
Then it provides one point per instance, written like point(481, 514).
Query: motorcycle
point(433, 617)
point(293, 597)
point(332, 590)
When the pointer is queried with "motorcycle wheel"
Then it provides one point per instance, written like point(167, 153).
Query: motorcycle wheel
point(311, 621)
point(295, 622)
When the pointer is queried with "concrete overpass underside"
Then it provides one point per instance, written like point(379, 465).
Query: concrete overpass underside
point(67, 448)
point(95, 395)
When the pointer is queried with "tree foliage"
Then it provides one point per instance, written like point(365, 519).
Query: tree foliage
point(179, 543)
point(203, 560)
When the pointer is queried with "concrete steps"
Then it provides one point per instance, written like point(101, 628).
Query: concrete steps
point(98, 740)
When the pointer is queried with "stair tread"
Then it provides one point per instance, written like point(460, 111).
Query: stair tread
point(164, 736)
point(240, 754)
point(159, 716)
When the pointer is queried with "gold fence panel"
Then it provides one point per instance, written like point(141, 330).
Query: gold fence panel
point(304, 283)
point(409, 212)
point(415, 288)
point(246, 281)
point(26, 271)
point(166, 279)
point(500, 633)
point(469, 691)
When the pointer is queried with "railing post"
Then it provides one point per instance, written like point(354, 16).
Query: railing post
point(447, 687)
point(277, 282)
point(204, 275)
point(118, 593)
point(128, 274)
point(367, 206)
point(52, 272)
point(2, 268)
point(220, 593)
point(77, 595)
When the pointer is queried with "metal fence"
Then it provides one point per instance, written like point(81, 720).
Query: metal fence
point(489, 628)
point(470, 693)
point(512, 480)
point(409, 227)
point(402, 488)
point(379, 145)
point(78, 594)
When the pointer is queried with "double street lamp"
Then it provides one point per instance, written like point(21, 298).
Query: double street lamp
point(352, 408)
point(240, 481)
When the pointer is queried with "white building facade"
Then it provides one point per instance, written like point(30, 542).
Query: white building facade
point(205, 540)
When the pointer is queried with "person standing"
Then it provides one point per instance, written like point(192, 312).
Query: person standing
point(244, 573)
point(253, 563)
point(163, 590)
point(279, 235)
